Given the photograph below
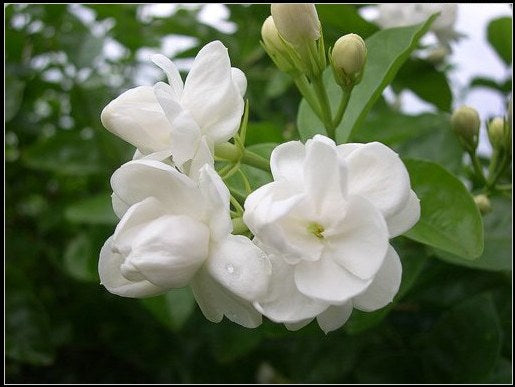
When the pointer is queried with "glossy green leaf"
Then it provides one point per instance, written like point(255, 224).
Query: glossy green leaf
point(387, 50)
point(449, 219)
point(173, 308)
point(94, 210)
point(498, 253)
point(464, 345)
point(499, 34)
point(428, 83)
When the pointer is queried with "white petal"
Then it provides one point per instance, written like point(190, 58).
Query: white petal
point(113, 280)
point(322, 174)
point(139, 179)
point(377, 173)
point(283, 302)
point(360, 241)
point(384, 287)
point(137, 117)
point(172, 73)
point(406, 218)
point(169, 250)
point(295, 326)
point(203, 155)
point(210, 94)
point(344, 150)
point(334, 317)
point(216, 196)
point(119, 206)
point(239, 79)
point(240, 266)
point(215, 301)
point(287, 160)
point(326, 281)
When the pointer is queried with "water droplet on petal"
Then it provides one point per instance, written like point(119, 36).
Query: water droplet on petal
point(229, 268)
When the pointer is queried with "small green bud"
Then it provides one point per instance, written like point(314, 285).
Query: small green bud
point(465, 123)
point(483, 203)
point(348, 59)
point(497, 132)
point(276, 47)
point(297, 23)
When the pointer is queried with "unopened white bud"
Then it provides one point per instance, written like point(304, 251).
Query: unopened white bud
point(465, 123)
point(483, 203)
point(297, 23)
point(348, 58)
point(497, 132)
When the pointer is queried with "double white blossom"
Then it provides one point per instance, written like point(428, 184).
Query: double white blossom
point(400, 15)
point(182, 119)
point(176, 232)
point(325, 222)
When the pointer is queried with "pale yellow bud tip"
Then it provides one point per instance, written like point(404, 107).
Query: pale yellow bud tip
point(297, 23)
point(465, 123)
point(483, 203)
point(496, 132)
point(349, 54)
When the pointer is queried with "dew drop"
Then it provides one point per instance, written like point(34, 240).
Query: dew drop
point(229, 268)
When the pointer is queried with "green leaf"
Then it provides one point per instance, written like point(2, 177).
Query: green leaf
point(413, 261)
point(94, 210)
point(497, 254)
point(499, 34)
point(387, 51)
point(449, 219)
point(464, 344)
point(503, 87)
point(341, 19)
point(27, 325)
point(14, 90)
point(173, 308)
point(81, 259)
point(425, 81)
point(66, 153)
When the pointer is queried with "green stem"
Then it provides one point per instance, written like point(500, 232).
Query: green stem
point(238, 227)
point(236, 205)
point(231, 171)
point(343, 106)
point(325, 108)
point(228, 152)
point(504, 187)
point(307, 92)
point(493, 179)
point(477, 167)
point(255, 160)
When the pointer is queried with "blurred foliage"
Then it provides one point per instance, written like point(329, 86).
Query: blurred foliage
point(450, 323)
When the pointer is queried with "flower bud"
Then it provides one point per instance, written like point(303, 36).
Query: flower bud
point(348, 59)
point(465, 123)
point(483, 203)
point(276, 47)
point(497, 132)
point(297, 23)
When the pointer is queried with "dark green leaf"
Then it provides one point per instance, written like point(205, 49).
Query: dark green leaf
point(497, 254)
point(14, 96)
point(503, 87)
point(81, 259)
point(173, 308)
point(463, 346)
point(449, 219)
point(94, 210)
point(500, 37)
point(425, 81)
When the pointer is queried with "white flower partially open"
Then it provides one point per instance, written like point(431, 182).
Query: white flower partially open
point(184, 120)
point(326, 221)
point(175, 232)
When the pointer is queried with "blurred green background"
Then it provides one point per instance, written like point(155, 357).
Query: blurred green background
point(63, 64)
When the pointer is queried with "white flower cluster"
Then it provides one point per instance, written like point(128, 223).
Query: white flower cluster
point(321, 228)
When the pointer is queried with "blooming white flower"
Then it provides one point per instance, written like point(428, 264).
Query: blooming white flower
point(325, 222)
point(400, 15)
point(182, 119)
point(174, 232)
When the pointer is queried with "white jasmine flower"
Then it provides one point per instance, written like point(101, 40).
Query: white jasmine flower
point(182, 119)
point(175, 232)
point(325, 221)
